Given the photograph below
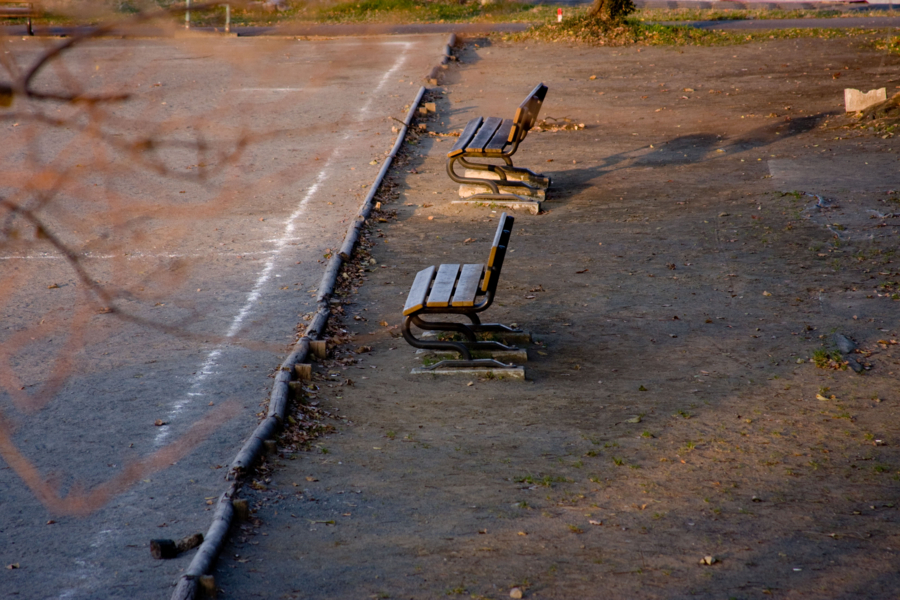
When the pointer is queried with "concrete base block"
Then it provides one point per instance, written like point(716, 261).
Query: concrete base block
point(514, 374)
point(523, 204)
point(475, 173)
point(507, 356)
point(510, 339)
point(470, 189)
point(855, 100)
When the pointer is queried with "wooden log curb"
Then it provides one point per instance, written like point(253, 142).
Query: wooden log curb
point(196, 578)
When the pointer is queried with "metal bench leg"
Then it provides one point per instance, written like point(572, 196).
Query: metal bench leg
point(494, 327)
point(467, 360)
point(436, 345)
point(537, 179)
point(459, 179)
point(472, 342)
point(501, 172)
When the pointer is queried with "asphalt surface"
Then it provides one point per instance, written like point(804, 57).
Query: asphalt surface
point(763, 24)
point(216, 274)
point(367, 29)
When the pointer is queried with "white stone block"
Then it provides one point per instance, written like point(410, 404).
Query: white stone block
point(467, 190)
point(855, 100)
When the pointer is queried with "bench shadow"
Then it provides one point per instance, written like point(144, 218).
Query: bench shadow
point(682, 150)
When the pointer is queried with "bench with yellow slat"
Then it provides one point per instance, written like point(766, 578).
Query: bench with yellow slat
point(454, 289)
point(494, 137)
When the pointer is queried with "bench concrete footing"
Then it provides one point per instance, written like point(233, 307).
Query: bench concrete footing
point(479, 174)
point(531, 206)
point(508, 356)
point(467, 190)
point(507, 337)
point(515, 373)
point(470, 189)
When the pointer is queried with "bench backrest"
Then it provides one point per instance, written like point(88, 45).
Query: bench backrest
point(527, 113)
point(498, 253)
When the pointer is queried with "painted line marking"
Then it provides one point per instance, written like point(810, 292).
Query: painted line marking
point(89, 576)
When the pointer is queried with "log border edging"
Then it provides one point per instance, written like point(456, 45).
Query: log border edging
point(187, 584)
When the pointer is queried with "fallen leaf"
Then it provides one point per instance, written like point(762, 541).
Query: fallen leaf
point(469, 240)
point(593, 522)
point(636, 419)
point(55, 286)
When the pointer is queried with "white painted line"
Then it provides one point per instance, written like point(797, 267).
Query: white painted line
point(88, 576)
point(265, 275)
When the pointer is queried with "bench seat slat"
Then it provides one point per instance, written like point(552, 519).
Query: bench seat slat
point(464, 138)
point(443, 286)
point(500, 139)
point(467, 286)
point(484, 134)
point(419, 291)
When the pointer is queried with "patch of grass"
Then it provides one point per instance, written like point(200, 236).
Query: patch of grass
point(586, 29)
point(829, 359)
point(891, 45)
point(440, 11)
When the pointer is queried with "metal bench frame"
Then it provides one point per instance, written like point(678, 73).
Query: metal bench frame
point(459, 301)
point(24, 11)
point(499, 138)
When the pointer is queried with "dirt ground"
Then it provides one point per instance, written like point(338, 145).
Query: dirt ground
point(706, 235)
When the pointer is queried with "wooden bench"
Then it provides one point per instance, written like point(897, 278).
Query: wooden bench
point(10, 9)
point(465, 290)
point(496, 138)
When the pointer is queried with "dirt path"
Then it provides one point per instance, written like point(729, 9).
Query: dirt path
point(677, 295)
